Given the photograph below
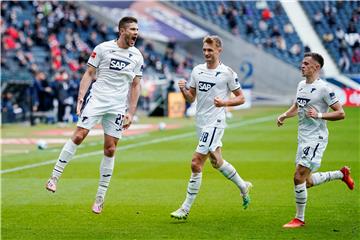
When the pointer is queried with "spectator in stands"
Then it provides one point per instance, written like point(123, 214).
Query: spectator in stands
point(356, 56)
point(92, 41)
point(328, 37)
point(295, 50)
point(266, 14)
point(263, 26)
point(231, 18)
point(20, 57)
point(344, 61)
point(280, 43)
point(339, 33)
point(249, 28)
point(43, 93)
point(64, 95)
point(351, 28)
point(317, 18)
point(288, 28)
point(275, 32)
point(7, 107)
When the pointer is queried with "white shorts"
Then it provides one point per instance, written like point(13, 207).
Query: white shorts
point(111, 123)
point(309, 154)
point(209, 139)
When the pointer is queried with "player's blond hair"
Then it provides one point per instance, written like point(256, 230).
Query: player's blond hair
point(211, 39)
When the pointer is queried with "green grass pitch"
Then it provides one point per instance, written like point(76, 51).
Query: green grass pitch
point(150, 178)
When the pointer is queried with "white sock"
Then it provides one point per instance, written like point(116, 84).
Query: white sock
point(230, 173)
point(66, 154)
point(322, 177)
point(106, 170)
point(192, 190)
point(300, 198)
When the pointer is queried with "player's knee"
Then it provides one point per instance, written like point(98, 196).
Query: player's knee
point(216, 164)
point(109, 151)
point(299, 178)
point(196, 165)
point(78, 137)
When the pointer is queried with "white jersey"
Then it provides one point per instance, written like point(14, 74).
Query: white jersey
point(211, 83)
point(115, 70)
point(320, 96)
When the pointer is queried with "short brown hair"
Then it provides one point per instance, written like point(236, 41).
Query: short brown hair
point(213, 39)
point(126, 20)
point(317, 57)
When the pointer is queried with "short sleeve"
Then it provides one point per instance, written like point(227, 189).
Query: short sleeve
point(192, 82)
point(94, 59)
point(329, 95)
point(296, 94)
point(233, 81)
point(139, 68)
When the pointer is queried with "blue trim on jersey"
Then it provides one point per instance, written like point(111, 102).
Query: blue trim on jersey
point(212, 137)
point(333, 103)
point(91, 65)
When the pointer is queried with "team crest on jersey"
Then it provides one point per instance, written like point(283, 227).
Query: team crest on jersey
point(116, 64)
point(332, 95)
point(205, 86)
point(302, 101)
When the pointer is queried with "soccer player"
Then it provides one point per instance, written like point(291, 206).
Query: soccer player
point(112, 100)
point(313, 99)
point(211, 84)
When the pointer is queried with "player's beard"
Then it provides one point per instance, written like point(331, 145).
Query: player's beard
point(130, 40)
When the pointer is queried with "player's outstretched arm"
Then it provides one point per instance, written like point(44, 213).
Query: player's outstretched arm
point(85, 82)
point(235, 101)
point(337, 114)
point(189, 94)
point(291, 112)
point(133, 99)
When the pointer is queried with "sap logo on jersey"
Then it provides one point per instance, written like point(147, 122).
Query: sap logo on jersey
point(205, 86)
point(302, 101)
point(117, 64)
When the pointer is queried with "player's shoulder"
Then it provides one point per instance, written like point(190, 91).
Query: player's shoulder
point(226, 69)
point(107, 43)
point(135, 51)
point(200, 68)
point(322, 83)
point(302, 83)
point(324, 86)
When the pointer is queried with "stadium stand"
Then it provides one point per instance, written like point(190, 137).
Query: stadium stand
point(263, 23)
point(53, 40)
point(338, 26)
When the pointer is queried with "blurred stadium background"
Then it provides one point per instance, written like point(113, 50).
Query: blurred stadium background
point(45, 46)
point(44, 49)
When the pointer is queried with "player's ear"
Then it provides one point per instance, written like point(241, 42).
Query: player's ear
point(220, 49)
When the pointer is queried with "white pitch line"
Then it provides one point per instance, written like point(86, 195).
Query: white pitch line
point(121, 148)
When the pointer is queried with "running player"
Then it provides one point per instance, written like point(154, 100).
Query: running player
point(313, 99)
point(211, 84)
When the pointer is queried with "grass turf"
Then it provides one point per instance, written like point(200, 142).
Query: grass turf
point(150, 181)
